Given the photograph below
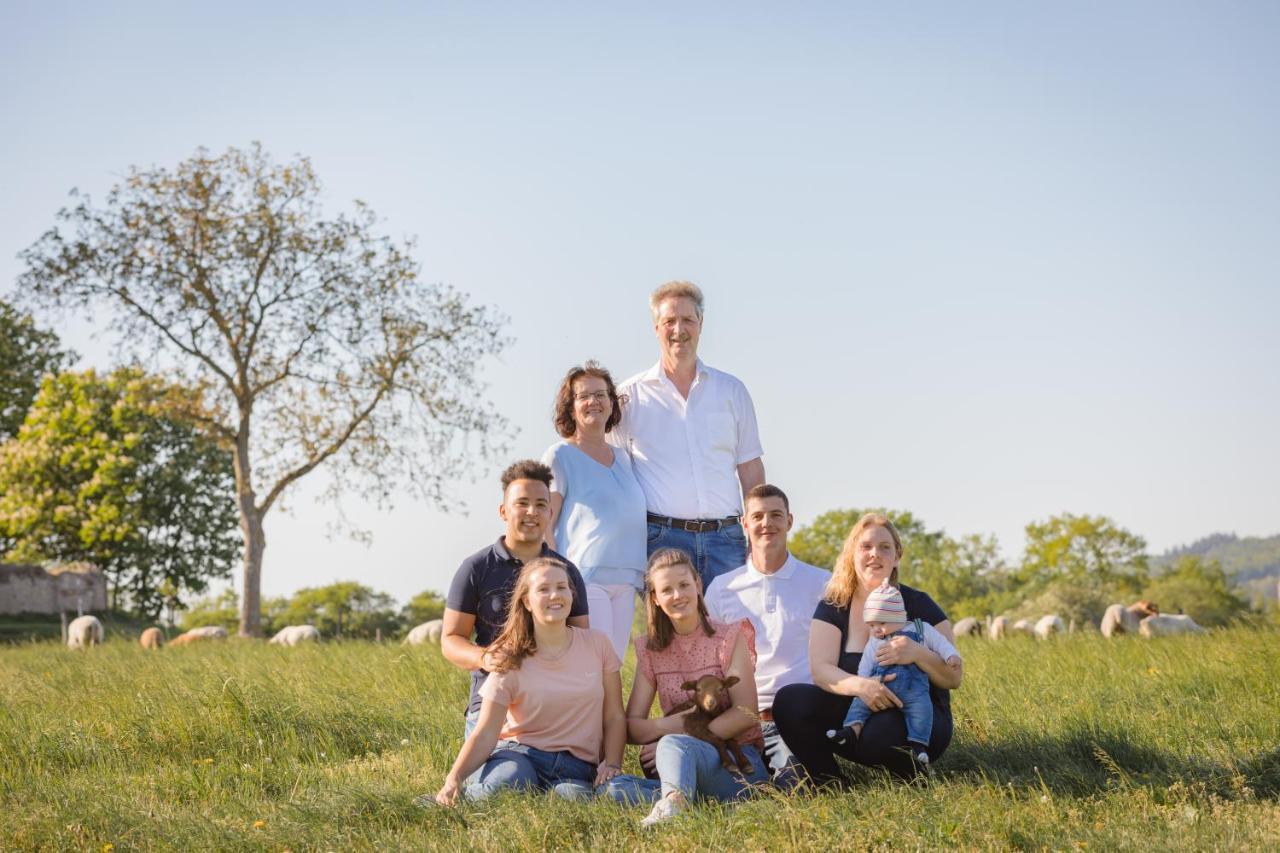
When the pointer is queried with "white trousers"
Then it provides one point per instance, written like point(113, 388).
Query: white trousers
point(611, 608)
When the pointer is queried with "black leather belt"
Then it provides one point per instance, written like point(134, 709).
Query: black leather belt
point(697, 525)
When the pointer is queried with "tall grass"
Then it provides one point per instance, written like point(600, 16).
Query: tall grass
point(1077, 742)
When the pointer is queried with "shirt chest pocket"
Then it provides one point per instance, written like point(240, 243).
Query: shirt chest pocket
point(722, 432)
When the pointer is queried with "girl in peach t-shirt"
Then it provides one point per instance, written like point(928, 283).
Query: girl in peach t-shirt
point(683, 644)
point(551, 713)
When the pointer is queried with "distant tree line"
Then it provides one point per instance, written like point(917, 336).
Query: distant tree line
point(345, 609)
point(1072, 565)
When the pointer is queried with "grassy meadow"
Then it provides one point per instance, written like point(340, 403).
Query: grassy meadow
point(1075, 743)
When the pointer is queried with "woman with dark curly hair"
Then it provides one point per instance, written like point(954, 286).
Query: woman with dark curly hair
point(597, 505)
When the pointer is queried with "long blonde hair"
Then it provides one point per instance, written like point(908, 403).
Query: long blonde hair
point(658, 624)
point(844, 579)
point(516, 641)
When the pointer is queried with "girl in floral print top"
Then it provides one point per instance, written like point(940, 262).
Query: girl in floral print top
point(683, 644)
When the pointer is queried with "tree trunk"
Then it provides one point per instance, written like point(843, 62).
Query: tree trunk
point(255, 540)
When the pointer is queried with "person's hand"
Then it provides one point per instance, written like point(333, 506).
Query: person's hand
point(898, 650)
point(606, 771)
point(448, 794)
point(648, 759)
point(877, 696)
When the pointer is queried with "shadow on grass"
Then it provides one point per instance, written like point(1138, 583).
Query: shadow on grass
point(1093, 761)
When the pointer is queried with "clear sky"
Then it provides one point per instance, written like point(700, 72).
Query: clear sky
point(985, 262)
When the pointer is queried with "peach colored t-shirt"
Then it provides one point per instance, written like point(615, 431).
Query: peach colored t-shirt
point(557, 705)
point(692, 656)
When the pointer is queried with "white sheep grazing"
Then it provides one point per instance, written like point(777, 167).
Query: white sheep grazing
point(1047, 626)
point(968, 627)
point(1118, 619)
point(1164, 625)
point(997, 628)
point(427, 632)
point(199, 635)
point(1025, 626)
point(294, 635)
point(84, 631)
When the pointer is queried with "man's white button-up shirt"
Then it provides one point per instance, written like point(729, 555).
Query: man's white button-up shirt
point(686, 453)
point(780, 607)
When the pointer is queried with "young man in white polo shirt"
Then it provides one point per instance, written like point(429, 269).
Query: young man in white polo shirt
point(692, 436)
point(778, 593)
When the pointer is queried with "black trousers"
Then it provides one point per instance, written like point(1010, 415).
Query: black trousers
point(804, 713)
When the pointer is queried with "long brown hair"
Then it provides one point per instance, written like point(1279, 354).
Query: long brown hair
point(515, 641)
point(844, 579)
point(659, 627)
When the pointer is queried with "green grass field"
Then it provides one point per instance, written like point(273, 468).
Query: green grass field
point(1068, 744)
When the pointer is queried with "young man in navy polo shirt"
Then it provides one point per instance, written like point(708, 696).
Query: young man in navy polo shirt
point(481, 589)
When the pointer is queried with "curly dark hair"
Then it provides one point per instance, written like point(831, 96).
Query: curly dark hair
point(562, 411)
point(526, 469)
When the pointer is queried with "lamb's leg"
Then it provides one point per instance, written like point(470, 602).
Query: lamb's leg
point(744, 765)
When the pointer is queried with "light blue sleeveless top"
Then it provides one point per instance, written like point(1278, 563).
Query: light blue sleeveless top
point(602, 527)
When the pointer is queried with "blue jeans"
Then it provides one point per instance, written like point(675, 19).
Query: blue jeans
point(910, 685)
point(712, 553)
point(693, 768)
point(515, 765)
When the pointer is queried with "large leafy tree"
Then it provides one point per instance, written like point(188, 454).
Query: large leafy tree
point(315, 339)
point(102, 471)
point(27, 354)
point(1084, 548)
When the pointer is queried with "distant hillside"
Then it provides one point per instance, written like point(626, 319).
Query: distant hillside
point(1252, 562)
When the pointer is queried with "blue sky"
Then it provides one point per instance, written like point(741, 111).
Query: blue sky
point(987, 264)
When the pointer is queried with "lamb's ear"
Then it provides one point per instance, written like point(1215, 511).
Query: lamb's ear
point(688, 685)
point(731, 680)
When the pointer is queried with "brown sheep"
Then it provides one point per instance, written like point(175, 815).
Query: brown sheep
point(197, 635)
point(151, 639)
point(710, 699)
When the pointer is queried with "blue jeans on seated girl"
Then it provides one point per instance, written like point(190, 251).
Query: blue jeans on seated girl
point(911, 685)
point(515, 765)
point(693, 768)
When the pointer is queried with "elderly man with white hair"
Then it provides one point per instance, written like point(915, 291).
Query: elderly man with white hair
point(691, 433)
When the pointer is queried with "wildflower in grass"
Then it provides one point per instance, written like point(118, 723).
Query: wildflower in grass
point(203, 761)
point(259, 824)
point(108, 847)
point(404, 741)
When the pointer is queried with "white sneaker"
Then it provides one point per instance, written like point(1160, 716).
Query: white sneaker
point(922, 759)
point(665, 809)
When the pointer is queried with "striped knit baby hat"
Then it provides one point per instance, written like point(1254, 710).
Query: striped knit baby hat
point(884, 604)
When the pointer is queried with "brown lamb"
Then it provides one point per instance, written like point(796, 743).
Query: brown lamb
point(710, 699)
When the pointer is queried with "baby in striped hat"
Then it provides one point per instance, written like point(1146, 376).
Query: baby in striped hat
point(886, 617)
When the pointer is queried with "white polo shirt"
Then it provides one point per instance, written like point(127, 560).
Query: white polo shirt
point(686, 453)
point(780, 607)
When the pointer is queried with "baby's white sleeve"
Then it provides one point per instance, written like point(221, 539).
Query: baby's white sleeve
point(935, 642)
point(868, 661)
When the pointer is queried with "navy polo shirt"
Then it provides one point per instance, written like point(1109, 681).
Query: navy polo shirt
point(482, 587)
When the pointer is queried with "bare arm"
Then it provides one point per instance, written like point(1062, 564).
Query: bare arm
point(750, 475)
point(824, 653)
point(455, 640)
point(475, 751)
point(743, 714)
point(615, 729)
point(557, 503)
point(641, 729)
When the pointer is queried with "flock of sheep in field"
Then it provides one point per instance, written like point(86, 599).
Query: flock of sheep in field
point(85, 631)
point(1142, 617)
